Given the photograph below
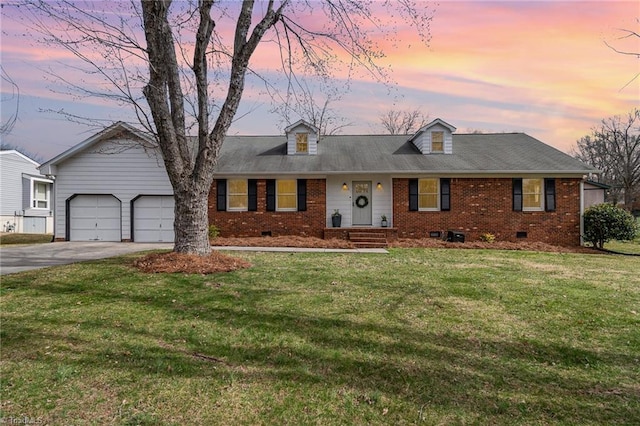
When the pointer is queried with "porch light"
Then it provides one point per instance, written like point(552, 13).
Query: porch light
point(344, 186)
point(379, 186)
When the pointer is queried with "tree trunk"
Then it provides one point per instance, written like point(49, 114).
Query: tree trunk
point(191, 219)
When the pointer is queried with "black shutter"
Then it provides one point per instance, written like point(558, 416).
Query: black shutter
point(271, 195)
point(302, 195)
point(252, 195)
point(413, 195)
point(517, 195)
point(221, 194)
point(445, 194)
point(550, 195)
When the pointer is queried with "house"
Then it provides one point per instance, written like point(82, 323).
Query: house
point(25, 195)
point(113, 186)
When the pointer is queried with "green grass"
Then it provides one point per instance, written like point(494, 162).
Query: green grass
point(419, 336)
point(13, 238)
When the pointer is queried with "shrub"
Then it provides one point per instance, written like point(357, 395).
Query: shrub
point(605, 222)
point(214, 232)
point(487, 237)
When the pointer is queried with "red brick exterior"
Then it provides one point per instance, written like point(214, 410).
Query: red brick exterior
point(309, 223)
point(484, 205)
point(478, 206)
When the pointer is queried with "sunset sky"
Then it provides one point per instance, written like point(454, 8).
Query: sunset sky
point(542, 68)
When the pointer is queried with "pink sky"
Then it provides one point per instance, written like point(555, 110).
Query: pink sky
point(536, 67)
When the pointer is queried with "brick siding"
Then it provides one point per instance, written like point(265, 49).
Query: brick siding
point(484, 205)
point(478, 206)
point(309, 223)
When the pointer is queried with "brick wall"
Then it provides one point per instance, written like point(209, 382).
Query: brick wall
point(480, 205)
point(309, 223)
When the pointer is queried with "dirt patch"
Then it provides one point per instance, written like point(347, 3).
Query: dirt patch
point(189, 263)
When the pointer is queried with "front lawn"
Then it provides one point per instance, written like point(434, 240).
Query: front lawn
point(419, 336)
point(7, 238)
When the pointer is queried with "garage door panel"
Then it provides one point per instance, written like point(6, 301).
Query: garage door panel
point(153, 218)
point(95, 218)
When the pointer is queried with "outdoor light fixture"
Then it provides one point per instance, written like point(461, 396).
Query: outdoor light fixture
point(344, 186)
point(379, 186)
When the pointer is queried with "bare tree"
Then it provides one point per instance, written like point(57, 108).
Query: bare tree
point(405, 122)
point(314, 109)
point(13, 96)
point(614, 149)
point(627, 35)
point(188, 69)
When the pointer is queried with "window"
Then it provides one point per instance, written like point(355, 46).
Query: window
point(286, 194)
point(302, 143)
point(40, 195)
point(437, 141)
point(427, 194)
point(237, 198)
point(430, 194)
point(532, 194)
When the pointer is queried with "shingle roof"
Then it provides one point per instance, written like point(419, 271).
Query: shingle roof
point(472, 153)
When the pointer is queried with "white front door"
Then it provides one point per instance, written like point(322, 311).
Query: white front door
point(361, 198)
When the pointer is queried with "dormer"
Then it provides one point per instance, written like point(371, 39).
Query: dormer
point(434, 138)
point(302, 138)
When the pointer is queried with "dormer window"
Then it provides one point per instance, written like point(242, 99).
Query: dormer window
point(302, 138)
point(434, 138)
point(302, 143)
point(437, 141)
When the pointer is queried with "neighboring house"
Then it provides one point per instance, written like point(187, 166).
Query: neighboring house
point(113, 186)
point(25, 195)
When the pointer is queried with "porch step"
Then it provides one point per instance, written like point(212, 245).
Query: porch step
point(368, 239)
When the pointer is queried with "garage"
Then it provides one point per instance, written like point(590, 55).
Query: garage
point(153, 219)
point(94, 218)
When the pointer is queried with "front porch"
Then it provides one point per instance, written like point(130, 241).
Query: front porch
point(363, 237)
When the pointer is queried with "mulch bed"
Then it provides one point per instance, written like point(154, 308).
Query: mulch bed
point(189, 263)
point(217, 262)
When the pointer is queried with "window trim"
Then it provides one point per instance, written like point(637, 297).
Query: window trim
point(34, 200)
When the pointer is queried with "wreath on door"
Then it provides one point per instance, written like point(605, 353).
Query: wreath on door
point(362, 201)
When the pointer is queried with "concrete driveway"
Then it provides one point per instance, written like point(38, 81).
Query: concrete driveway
point(34, 256)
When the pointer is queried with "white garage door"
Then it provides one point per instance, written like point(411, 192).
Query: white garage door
point(94, 218)
point(153, 219)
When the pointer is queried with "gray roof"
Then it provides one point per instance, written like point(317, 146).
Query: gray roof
point(501, 153)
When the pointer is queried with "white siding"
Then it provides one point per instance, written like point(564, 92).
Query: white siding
point(12, 166)
point(423, 141)
point(117, 167)
point(291, 140)
point(337, 198)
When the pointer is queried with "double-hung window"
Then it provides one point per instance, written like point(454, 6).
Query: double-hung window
point(428, 194)
point(40, 196)
point(237, 194)
point(302, 143)
point(286, 195)
point(532, 199)
point(437, 141)
point(535, 194)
